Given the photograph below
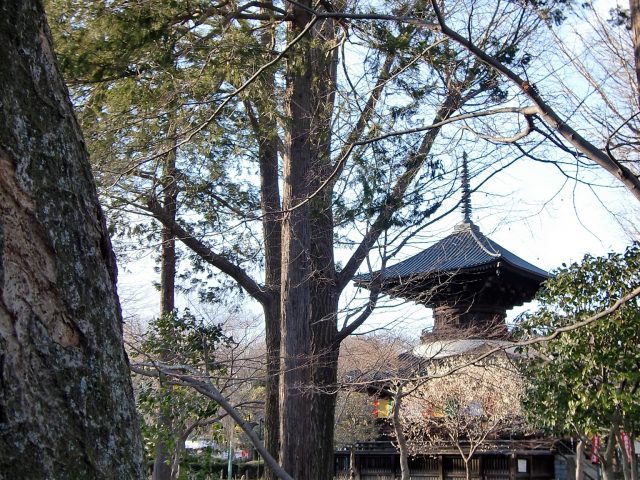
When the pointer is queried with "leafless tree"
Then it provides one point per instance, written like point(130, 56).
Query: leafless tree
point(465, 410)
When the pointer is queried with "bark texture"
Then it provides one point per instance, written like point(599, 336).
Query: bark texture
point(323, 283)
point(66, 402)
point(265, 127)
point(295, 297)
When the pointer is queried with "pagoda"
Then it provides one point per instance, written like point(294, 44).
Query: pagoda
point(467, 279)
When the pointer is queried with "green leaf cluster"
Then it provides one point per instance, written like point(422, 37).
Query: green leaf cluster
point(178, 339)
point(587, 379)
point(185, 339)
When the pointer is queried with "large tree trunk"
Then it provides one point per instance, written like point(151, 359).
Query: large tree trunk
point(323, 403)
point(265, 128)
point(270, 200)
point(324, 347)
point(296, 270)
point(66, 402)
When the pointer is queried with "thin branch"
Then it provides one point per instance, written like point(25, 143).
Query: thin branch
point(360, 16)
point(548, 114)
point(252, 287)
point(393, 203)
point(608, 146)
point(512, 139)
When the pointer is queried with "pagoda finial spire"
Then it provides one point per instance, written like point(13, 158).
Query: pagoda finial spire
point(466, 191)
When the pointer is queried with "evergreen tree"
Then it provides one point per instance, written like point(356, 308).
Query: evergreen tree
point(186, 340)
point(585, 382)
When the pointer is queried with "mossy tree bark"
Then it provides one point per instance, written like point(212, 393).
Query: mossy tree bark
point(66, 402)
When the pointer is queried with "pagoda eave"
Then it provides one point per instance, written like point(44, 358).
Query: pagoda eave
point(492, 284)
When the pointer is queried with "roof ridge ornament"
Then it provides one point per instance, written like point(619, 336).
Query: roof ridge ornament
point(466, 223)
point(466, 191)
point(466, 227)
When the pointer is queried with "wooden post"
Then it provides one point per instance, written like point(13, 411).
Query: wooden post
point(512, 467)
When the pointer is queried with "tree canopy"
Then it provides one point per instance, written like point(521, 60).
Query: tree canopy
point(584, 380)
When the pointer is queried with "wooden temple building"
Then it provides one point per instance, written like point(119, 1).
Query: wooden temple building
point(469, 281)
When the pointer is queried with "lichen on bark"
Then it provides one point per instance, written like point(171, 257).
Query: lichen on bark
point(66, 403)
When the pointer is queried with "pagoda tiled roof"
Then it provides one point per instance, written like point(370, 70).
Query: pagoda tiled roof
point(466, 249)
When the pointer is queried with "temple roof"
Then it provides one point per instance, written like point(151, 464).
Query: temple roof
point(469, 280)
point(465, 250)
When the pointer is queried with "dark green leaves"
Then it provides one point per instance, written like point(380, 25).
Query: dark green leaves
point(585, 380)
point(184, 339)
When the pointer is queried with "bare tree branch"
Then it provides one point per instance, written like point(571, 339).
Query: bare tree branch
point(207, 389)
point(546, 113)
point(412, 166)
